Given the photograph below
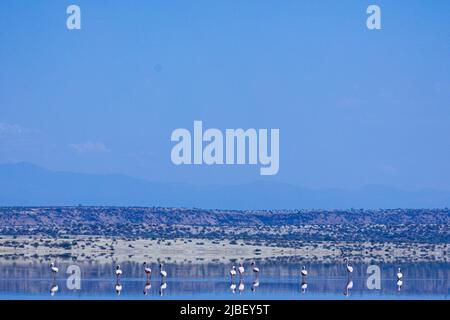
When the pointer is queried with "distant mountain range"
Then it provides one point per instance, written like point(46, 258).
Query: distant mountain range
point(25, 184)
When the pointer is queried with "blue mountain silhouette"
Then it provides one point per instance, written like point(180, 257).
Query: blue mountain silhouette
point(25, 184)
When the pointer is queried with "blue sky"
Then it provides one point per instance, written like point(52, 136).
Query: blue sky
point(354, 107)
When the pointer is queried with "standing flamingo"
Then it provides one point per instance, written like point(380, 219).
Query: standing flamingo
point(233, 273)
point(399, 274)
point(147, 270)
point(54, 270)
point(349, 267)
point(162, 272)
point(241, 270)
point(118, 271)
point(255, 269)
point(304, 272)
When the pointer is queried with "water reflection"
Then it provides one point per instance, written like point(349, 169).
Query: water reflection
point(233, 286)
point(348, 287)
point(276, 280)
point(241, 286)
point(303, 286)
point(118, 287)
point(147, 287)
point(162, 288)
point(255, 285)
point(399, 285)
point(54, 288)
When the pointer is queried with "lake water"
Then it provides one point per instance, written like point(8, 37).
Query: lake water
point(278, 279)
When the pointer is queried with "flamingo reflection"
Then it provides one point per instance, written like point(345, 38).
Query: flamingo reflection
point(147, 287)
point(118, 287)
point(162, 288)
point(348, 287)
point(54, 288)
point(241, 286)
point(255, 285)
point(233, 287)
point(304, 286)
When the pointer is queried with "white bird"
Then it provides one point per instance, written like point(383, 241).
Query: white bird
point(54, 269)
point(399, 274)
point(118, 288)
point(147, 270)
point(255, 268)
point(162, 272)
point(241, 270)
point(304, 272)
point(118, 271)
point(349, 267)
point(233, 272)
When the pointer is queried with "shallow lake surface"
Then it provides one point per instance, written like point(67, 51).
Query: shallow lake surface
point(278, 279)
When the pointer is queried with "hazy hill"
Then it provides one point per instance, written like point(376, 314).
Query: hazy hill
point(120, 216)
point(25, 184)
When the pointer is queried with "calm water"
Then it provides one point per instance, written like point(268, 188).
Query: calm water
point(278, 279)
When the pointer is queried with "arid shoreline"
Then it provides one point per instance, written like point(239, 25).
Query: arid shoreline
point(107, 249)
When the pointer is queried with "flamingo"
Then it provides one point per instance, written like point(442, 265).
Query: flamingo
point(304, 272)
point(147, 270)
point(255, 269)
point(399, 274)
point(241, 270)
point(233, 272)
point(54, 270)
point(162, 272)
point(118, 271)
point(349, 267)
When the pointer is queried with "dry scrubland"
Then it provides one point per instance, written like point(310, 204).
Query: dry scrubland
point(195, 235)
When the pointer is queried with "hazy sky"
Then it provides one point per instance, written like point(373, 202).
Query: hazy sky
point(354, 106)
